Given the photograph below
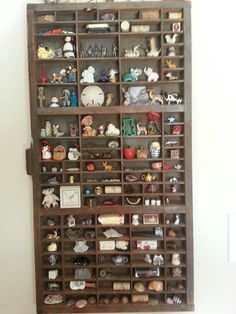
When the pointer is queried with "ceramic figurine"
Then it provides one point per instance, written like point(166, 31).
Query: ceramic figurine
point(71, 73)
point(101, 130)
point(65, 98)
point(44, 52)
point(155, 96)
point(70, 221)
point(153, 51)
point(132, 53)
point(176, 272)
point(50, 199)
point(112, 130)
point(52, 259)
point(173, 98)
point(88, 75)
point(147, 258)
point(132, 75)
point(170, 64)
point(109, 99)
point(141, 129)
point(158, 260)
point(171, 52)
point(68, 48)
point(56, 132)
point(177, 219)
point(171, 77)
point(154, 149)
point(46, 151)
point(112, 75)
point(107, 166)
point(114, 50)
point(73, 130)
point(41, 97)
point(103, 78)
point(48, 129)
point(171, 39)
point(152, 76)
point(73, 153)
point(136, 95)
point(120, 260)
point(90, 51)
point(58, 77)
point(175, 259)
point(73, 99)
point(103, 51)
point(96, 50)
point(135, 219)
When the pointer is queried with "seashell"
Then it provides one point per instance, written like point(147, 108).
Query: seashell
point(139, 286)
point(53, 299)
point(77, 285)
point(155, 285)
point(112, 233)
point(81, 303)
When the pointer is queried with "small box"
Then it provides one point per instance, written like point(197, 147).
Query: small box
point(140, 28)
point(107, 245)
point(175, 15)
point(116, 189)
point(146, 245)
point(174, 154)
point(150, 14)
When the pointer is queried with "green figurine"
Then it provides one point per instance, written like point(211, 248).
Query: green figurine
point(41, 96)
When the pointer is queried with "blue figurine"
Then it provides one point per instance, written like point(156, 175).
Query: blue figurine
point(73, 99)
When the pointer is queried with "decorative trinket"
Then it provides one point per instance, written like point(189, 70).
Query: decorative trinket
point(175, 259)
point(58, 77)
point(176, 27)
point(173, 98)
point(129, 152)
point(174, 154)
point(53, 286)
point(112, 130)
point(175, 15)
point(177, 272)
point(73, 130)
point(171, 52)
point(41, 96)
point(111, 219)
point(80, 247)
point(177, 219)
point(98, 190)
point(170, 64)
point(54, 102)
point(88, 75)
point(56, 132)
point(120, 259)
point(59, 153)
point(124, 26)
point(147, 258)
point(112, 233)
point(53, 299)
point(154, 149)
point(52, 259)
point(159, 232)
point(73, 153)
point(107, 166)
point(176, 130)
point(153, 51)
point(128, 127)
point(141, 153)
point(81, 303)
point(52, 247)
point(112, 75)
point(174, 300)
point(132, 75)
point(92, 96)
point(133, 200)
point(53, 274)
point(132, 53)
point(141, 129)
point(119, 286)
point(151, 75)
point(68, 48)
point(71, 73)
point(53, 236)
point(44, 52)
point(171, 39)
point(103, 78)
point(171, 77)
point(155, 96)
point(109, 100)
point(70, 221)
point(158, 260)
point(156, 285)
point(49, 199)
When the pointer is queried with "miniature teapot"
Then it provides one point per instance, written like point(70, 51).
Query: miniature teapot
point(120, 260)
point(148, 177)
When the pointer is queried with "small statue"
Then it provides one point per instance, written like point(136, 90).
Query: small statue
point(141, 129)
point(103, 78)
point(132, 75)
point(170, 64)
point(135, 219)
point(41, 97)
point(90, 51)
point(106, 166)
point(112, 130)
point(88, 75)
point(55, 129)
point(152, 76)
point(82, 52)
point(109, 99)
point(49, 199)
point(101, 129)
point(71, 73)
point(132, 53)
point(96, 50)
point(171, 77)
point(66, 98)
point(155, 96)
point(171, 52)
point(54, 102)
point(58, 77)
point(103, 51)
point(153, 51)
point(171, 39)
point(73, 99)
point(68, 48)
point(46, 151)
point(73, 130)
point(114, 50)
point(112, 75)
point(44, 52)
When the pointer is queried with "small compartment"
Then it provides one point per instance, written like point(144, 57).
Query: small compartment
point(87, 15)
point(99, 28)
point(98, 72)
point(99, 48)
point(55, 29)
point(129, 14)
point(108, 15)
point(62, 16)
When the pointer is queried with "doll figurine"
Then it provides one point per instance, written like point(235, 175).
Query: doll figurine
point(73, 99)
point(68, 48)
point(46, 151)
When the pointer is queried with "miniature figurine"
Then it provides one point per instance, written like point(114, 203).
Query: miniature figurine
point(41, 97)
point(114, 50)
point(141, 129)
point(152, 76)
point(103, 51)
point(58, 78)
point(135, 219)
point(112, 75)
point(156, 97)
point(48, 129)
point(44, 52)
point(70, 221)
point(177, 219)
point(71, 73)
point(65, 98)
point(68, 48)
point(173, 98)
point(132, 75)
point(175, 259)
point(49, 199)
point(171, 52)
point(73, 130)
point(171, 39)
point(158, 260)
point(136, 95)
point(106, 166)
point(96, 50)
point(58, 53)
point(103, 78)
point(46, 151)
point(154, 149)
point(100, 130)
point(82, 52)
point(132, 53)
point(90, 51)
point(87, 121)
point(170, 64)
point(112, 130)
point(73, 153)
point(171, 77)
point(176, 272)
point(56, 132)
point(109, 99)
point(153, 51)
point(73, 99)
point(88, 75)
point(147, 258)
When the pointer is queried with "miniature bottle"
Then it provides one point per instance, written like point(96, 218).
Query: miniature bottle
point(48, 129)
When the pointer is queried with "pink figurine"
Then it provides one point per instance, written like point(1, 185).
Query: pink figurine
point(46, 151)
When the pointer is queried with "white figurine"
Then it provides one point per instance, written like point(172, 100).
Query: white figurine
point(68, 48)
point(112, 130)
point(152, 76)
point(88, 75)
point(171, 39)
point(112, 75)
point(135, 220)
point(56, 132)
point(153, 52)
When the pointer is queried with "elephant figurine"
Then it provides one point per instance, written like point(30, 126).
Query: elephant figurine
point(132, 75)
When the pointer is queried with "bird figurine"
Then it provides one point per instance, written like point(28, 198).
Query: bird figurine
point(171, 39)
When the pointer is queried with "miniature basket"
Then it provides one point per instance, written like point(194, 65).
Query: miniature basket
point(59, 153)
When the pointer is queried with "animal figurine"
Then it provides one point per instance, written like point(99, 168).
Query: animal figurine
point(152, 76)
point(73, 130)
point(56, 132)
point(73, 99)
point(153, 51)
point(68, 48)
point(136, 95)
point(58, 77)
point(171, 52)
point(155, 96)
point(66, 98)
point(112, 75)
point(170, 64)
point(141, 129)
point(44, 52)
point(88, 75)
point(173, 98)
point(112, 130)
point(49, 199)
point(132, 75)
point(109, 99)
point(71, 73)
point(171, 39)
point(41, 97)
point(106, 166)
point(132, 53)
point(171, 77)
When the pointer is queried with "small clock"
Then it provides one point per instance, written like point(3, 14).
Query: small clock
point(92, 96)
point(70, 196)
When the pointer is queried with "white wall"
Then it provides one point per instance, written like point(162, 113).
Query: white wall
point(214, 69)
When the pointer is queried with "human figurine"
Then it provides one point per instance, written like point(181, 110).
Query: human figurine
point(114, 50)
point(46, 151)
point(112, 75)
point(66, 98)
point(82, 52)
point(73, 99)
point(103, 51)
point(54, 102)
point(68, 48)
point(41, 96)
point(135, 220)
point(96, 50)
point(90, 51)
point(71, 73)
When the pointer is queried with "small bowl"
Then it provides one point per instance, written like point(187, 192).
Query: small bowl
point(156, 165)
